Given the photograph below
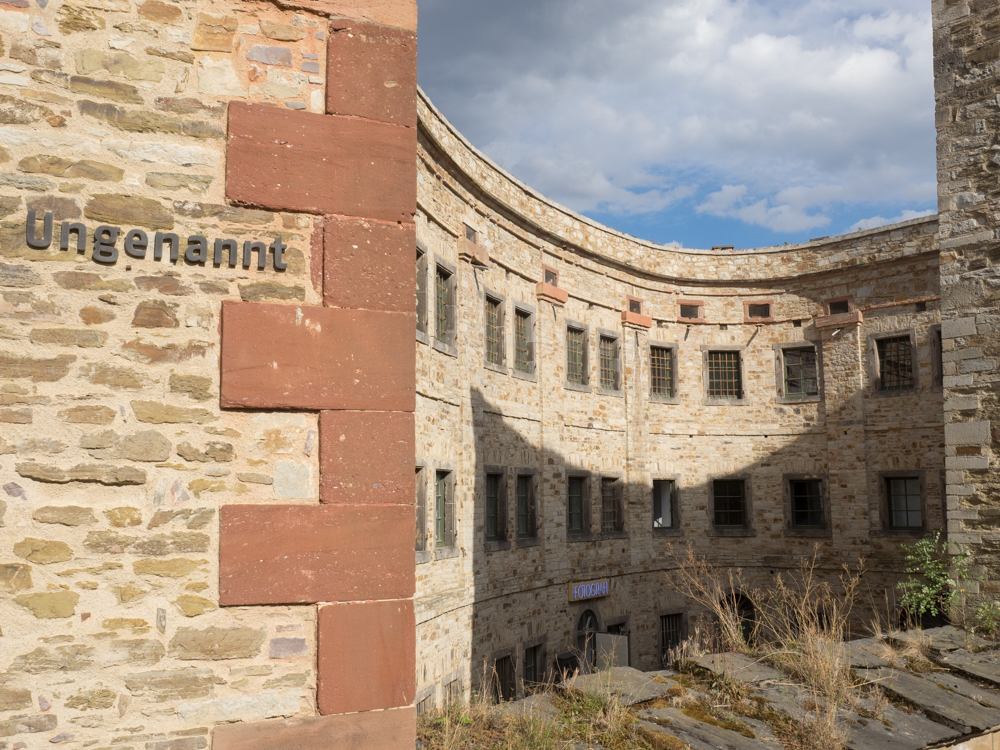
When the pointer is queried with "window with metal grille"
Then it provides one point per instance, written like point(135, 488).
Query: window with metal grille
point(904, 502)
point(471, 235)
point(532, 665)
point(574, 500)
point(729, 503)
point(576, 344)
point(524, 356)
point(494, 331)
point(421, 274)
point(663, 503)
point(807, 503)
point(671, 635)
point(493, 507)
point(661, 371)
point(895, 363)
point(759, 311)
point(839, 307)
point(609, 363)
point(725, 380)
point(525, 498)
point(635, 306)
point(421, 510)
point(610, 512)
point(691, 312)
point(800, 372)
point(442, 307)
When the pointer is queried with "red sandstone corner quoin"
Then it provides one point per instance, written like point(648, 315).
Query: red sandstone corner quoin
point(380, 730)
point(369, 265)
point(366, 457)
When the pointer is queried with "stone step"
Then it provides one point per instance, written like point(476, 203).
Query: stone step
point(940, 704)
point(984, 666)
point(739, 667)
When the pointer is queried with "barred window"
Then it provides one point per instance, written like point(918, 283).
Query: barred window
point(661, 370)
point(574, 500)
point(495, 343)
point(533, 666)
point(525, 490)
point(524, 346)
point(895, 363)
point(609, 363)
point(493, 507)
point(663, 504)
point(576, 345)
point(444, 510)
point(671, 635)
point(729, 503)
point(807, 504)
point(442, 311)
point(800, 372)
point(904, 502)
point(725, 380)
point(690, 312)
point(611, 519)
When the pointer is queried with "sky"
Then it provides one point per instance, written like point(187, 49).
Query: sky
point(697, 122)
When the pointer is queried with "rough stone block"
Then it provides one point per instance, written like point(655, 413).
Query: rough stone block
point(967, 433)
point(293, 357)
point(366, 457)
point(953, 329)
point(369, 265)
point(301, 161)
point(374, 730)
point(374, 639)
point(299, 554)
point(372, 72)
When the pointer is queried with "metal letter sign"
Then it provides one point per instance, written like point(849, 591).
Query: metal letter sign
point(592, 590)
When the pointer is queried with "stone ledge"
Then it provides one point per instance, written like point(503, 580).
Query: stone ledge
point(839, 321)
point(552, 294)
point(374, 730)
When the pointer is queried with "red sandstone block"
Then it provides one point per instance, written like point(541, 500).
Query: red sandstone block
point(304, 554)
point(368, 265)
point(400, 14)
point(372, 72)
point(636, 319)
point(316, 255)
point(301, 161)
point(366, 457)
point(298, 357)
point(550, 293)
point(375, 730)
point(373, 641)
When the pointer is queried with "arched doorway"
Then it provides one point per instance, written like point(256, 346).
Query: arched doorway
point(586, 639)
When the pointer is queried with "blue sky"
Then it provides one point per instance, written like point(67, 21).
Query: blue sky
point(697, 122)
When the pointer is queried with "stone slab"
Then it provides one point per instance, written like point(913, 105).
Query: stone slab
point(366, 457)
point(374, 639)
point(860, 655)
point(939, 704)
point(962, 686)
point(537, 706)
point(738, 667)
point(296, 357)
point(693, 731)
point(304, 554)
point(369, 265)
point(630, 684)
point(946, 638)
point(302, 161)
point(984, 666)
point(373, 730)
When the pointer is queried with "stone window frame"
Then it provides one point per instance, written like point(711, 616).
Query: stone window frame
point(748, 530)
point(874, 365)
point(779, 371)
point(587, 534)
point(786, 494)
point(935, 342)
point(883, 504)
point(619, 477)
point(699, 303)
point(534, 517)
point(675, 530)
point(532, 314)
point(503, 511)
point(447, 551)
point(422, 270)
point(426, 554)
point(584, 387)
point(618, 367)
point(674, 349)
point(753, 321)
point(849, 299)
point(543, 642)
point(490, 294)
point(706, 401)
point(450, 347)
point(685, 629)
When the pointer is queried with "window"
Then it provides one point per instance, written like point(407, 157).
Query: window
point(444, 510)
point(671, 636)
point(495, 334)
point(577, 356)
point(578, 504)
point(421, 273)
point(937, 357)
point(421, 510)
point(800, 373)
point(444, 306)
point(550, 275)
point(838, 307)
point(453, 692)
point(504, 685)
point(661, 371)
point(534, 665)
point(426, 704)
point(635, 305)
point(807, 504)
point(690, 310)
point(611, 513)
point(471, 235)
point(663, 503)
point(493, 525)
point(586, 638)
point(725, 377)
point(729, 503)
point(905, 508)
point(524, 341)
point(758, 311)
point(526, 514)
point(895, 363)
point(610, 359)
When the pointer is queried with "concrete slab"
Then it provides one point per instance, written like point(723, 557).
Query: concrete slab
point(630, 684)
point(739, 667)
point(675, 723)
point(985, 665)
point(938, 703)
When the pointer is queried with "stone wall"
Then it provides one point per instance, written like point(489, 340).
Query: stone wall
point(967, 69)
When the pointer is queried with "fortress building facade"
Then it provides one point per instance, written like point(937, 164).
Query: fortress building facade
point(311, 415)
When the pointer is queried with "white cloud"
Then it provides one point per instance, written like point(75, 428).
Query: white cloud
point(636, 106)
point(877, 221)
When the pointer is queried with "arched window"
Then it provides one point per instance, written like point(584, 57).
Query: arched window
point(586, 632)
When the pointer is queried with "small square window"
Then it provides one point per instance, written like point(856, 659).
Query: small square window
point(801, 378)
point(550, 275)
point(690, 312)
point(905, 507)
point(471, 235)
point(759, 311)
point(839, 307)
point(725, 376)
point(895, 363)
point(635, 306)
point(729, 503)
point(807, 504)
point(663, 503)
point(661, 371)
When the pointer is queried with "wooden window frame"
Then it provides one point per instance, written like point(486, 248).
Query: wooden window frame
point(699, 303)
point(529, 311)
point(706, 349)
point(786, 490)
point(875, 364)
point(748, 528)
point(450, 345)
point(673, 348)
point(885, 512)
point(569, 385)
point(501, 300)
point(617, 366)
point(779, 372)
point(676, 528)
point(503, 511)
point(533, 538)
point(753, 321)
point(421, 272)
point(587, 501)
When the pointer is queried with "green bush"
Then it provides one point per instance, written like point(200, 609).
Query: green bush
point(942, 576)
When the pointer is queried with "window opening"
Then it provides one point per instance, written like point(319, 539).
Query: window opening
point(492, 507)
point(635, 306)
point(533, 667)
point(494, 331)
point(522, 353)
point(524, 501)
point(441, 327)
point(471, 235)
point(574, 493)
point(504, 685)
point(609, 362)
point(807, 504)
point(586, 637)
point(610, 515)
point(661, 368)
point(441, 509)
point(904, 503)
point(759, 311)
point(421, 274)
point(800, 372)
point(729, 503)
point(663, 503)
point(551, 277)
point(575, 343)
point(691, 312)
point(671, 635)
point(839, 307)
point(895, 357)
point(724, 377)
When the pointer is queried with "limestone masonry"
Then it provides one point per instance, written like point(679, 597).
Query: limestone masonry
point(311, 415)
